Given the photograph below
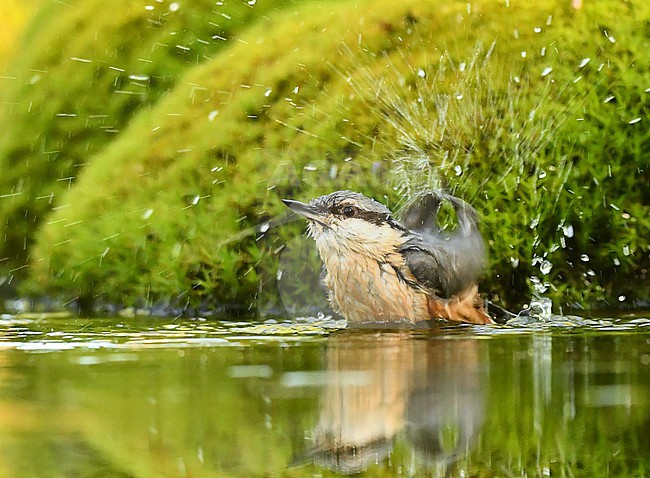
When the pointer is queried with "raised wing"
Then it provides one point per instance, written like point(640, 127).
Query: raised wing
point(446, 264)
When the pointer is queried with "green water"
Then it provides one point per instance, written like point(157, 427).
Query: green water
point(142, 397)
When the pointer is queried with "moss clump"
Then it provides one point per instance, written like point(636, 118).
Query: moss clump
point(168, 211)
point(15, 13)
point(84, 69)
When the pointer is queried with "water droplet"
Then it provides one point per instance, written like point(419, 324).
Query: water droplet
point(264, 227)
point(539, 286)
point(584, 62)
point(421, 73)
point(310, 167)
point(608, 99)
point(462, 66)
point(514, 262)
point(139, 77)
point(295, 90)
point(251, 2)
point(459, 97)
point(213, 114)
point(149, 7)
point(617, 262)
point(568, 230)
point(547, 70)
point(458, 170)
point(537, 29)
point(541, 309)
point(621, 298)
point(523, 54)
point(584, 258)
point(635, 120)
point(196, 200)
point(541, 174)
point(626, 250)
point(147, 214)
point(545, 267)
point(174, 7)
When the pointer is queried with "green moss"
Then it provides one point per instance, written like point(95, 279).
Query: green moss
point(85, 68)
point(168, 211)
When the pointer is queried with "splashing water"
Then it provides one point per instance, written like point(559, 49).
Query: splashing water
point(461, 124)
point(541, 309)
point(452, 123)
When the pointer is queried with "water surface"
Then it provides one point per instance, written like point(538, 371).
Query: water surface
point(145, 397)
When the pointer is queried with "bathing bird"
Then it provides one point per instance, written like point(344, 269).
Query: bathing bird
point(379, 269)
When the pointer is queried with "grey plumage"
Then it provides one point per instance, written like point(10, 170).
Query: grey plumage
point(445, 263)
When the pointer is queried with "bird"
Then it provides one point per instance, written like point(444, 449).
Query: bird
point(378, 269)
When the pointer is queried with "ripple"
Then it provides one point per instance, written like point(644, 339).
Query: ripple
point(39, 334)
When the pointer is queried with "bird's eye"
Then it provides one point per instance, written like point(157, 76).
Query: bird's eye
point(349, 211)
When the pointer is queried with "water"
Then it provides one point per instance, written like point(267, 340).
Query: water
point(145, 397)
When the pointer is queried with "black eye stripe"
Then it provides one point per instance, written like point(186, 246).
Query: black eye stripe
point(366, 209)
point(370, 216)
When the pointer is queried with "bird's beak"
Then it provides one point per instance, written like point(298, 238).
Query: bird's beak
point(307, 211)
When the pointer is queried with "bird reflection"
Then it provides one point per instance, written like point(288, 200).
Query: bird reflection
point(388, 388)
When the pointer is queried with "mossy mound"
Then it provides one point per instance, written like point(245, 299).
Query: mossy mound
point(15, 13)
point(328, 97)
point(84, 69)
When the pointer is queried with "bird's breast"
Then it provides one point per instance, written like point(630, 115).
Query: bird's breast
point(363, 289)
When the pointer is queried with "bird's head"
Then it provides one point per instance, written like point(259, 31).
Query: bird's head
point(346, 221)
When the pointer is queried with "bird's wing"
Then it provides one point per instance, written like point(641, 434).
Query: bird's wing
point(421, 213)
point(446, 265)
point(431, 267)
point(443, 263)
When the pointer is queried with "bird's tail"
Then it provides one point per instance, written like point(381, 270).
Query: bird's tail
point(467, 307)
